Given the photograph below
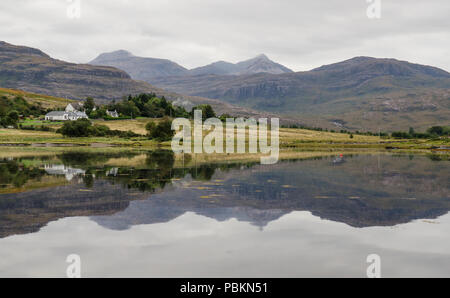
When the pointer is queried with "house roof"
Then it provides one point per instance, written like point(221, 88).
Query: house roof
point(76, 105)
point(62, 113)
point(56, 113)
point(80, 114)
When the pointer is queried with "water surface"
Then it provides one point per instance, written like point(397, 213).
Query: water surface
point(148, 214)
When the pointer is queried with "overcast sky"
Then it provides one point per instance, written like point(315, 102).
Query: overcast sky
point(299, 34)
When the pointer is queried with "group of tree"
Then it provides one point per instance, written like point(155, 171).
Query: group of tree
point(11, 109)
point(161, 131)
point(432, 132)
point(146, 105)
point(84, 128)
point(142, 105)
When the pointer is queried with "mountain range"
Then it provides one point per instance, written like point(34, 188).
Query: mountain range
point(146, 69)
point(31, 70)
point(361, 93)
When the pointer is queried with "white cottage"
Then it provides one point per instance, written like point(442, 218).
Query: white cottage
point(112, 114)
point(74, 107)
point(70, 114)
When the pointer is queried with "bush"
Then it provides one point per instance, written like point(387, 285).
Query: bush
point(161, 131)
point(437, 130)
point(79, 128)
point(84, 128)
point(401, 135)
point(207, 111)
point(35, 127)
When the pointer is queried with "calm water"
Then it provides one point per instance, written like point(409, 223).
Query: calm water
point(149, 214)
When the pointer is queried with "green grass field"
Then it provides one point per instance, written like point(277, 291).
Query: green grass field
point(290, 138)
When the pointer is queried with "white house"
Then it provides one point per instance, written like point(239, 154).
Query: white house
point(70, 114)
point(57, 116)
point(73, 107)
point(113, 114)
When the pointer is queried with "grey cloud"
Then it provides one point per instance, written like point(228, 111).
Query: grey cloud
point(299, 34)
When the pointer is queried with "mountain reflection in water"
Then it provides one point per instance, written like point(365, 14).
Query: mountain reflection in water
point(363, 191)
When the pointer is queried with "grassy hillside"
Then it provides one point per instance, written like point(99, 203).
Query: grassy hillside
point(45, 101)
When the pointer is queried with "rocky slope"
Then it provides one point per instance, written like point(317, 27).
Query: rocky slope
point(361, 93)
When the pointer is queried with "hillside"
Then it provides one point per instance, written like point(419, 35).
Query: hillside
point(34, 71)
point(362, 93)
point(45, 101)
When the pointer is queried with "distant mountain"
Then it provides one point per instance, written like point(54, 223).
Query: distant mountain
point(362, 93)
point(32, 70)
point(146, 69)
point(258, 64)
point(140, 68)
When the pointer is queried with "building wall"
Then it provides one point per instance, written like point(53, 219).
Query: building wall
point(56, 118)
point(70, 108)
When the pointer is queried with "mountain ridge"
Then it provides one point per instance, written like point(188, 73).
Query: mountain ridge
point(31, 70)
point(260, 63)
point(146, 68)
point(364, 93)
point(139, 68)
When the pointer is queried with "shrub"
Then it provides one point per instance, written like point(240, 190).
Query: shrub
point(161, 131)
point(78, 128)
point(84, 128)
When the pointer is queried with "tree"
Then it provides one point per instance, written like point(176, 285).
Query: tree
point(400, 135)
point(79, 128)
point(10, 119)
point(436, 130)
point(14, 116)
point(161, 131)
point(89, 105)
point(128, 108)
point(207, 111)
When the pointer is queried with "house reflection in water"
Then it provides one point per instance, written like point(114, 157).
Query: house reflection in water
point(64, 170)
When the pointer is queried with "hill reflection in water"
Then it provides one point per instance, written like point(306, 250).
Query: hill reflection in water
point(363, 191)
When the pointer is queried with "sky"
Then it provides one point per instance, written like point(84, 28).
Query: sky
point(298, 34)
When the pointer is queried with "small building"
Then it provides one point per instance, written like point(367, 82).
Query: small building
point(73, 111)
point(65, 116)
point(57, 116)
point(80, 115)
point(73, 107)
point(112, 114)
